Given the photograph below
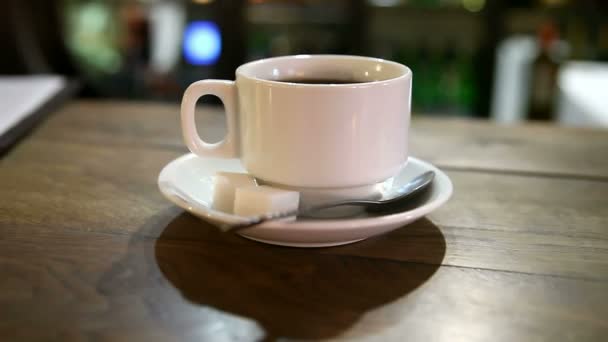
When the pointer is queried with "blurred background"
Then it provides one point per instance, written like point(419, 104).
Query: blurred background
point(503, 60)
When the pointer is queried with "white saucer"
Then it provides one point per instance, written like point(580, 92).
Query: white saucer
point(188, 182)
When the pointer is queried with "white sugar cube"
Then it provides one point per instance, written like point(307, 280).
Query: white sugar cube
point(259, 200)
point(224, 188)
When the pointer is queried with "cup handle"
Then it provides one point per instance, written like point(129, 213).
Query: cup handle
point(226, 91)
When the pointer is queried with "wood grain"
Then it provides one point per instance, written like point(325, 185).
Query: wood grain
point(503, 222)
point(90, 251)
point(525, 149)
point(466, 144)
point(89, 286)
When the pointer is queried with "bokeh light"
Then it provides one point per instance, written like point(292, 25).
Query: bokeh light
point(202, 43)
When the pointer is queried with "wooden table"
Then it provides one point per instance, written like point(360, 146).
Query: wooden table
point(90, 250)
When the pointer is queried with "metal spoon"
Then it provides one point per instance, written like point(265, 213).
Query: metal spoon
point(397, 199)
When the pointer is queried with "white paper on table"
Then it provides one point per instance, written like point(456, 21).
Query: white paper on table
point(21, 96)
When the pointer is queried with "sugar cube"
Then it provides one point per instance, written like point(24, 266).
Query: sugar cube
point(259, 200)
point(224, 188)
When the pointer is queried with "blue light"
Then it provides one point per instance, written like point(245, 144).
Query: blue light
point(202, 43)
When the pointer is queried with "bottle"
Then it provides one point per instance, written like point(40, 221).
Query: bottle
point(544, 71)
point(450, 80)
point(436, 64)
point(602, 43)
point(423, 92)
point(467, 93)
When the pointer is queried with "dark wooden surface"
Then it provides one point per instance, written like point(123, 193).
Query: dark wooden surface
point(90, 251)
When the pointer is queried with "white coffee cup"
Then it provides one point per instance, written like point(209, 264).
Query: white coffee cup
point(299, 135)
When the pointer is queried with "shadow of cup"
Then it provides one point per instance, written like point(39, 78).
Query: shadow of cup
point(296, 293)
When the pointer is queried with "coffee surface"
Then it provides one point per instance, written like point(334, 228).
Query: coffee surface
point(318, 81)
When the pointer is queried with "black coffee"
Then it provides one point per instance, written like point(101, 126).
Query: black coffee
point(319, 81)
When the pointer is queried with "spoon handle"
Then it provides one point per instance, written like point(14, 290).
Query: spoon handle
point(255, 220)
point(405, 193)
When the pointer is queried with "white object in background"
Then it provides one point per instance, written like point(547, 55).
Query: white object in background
point(260, 200)
point(225, 185)
point(21, 96)
point(166, 28)
point(514, 58)
point(583, 94)
point(187, 180)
